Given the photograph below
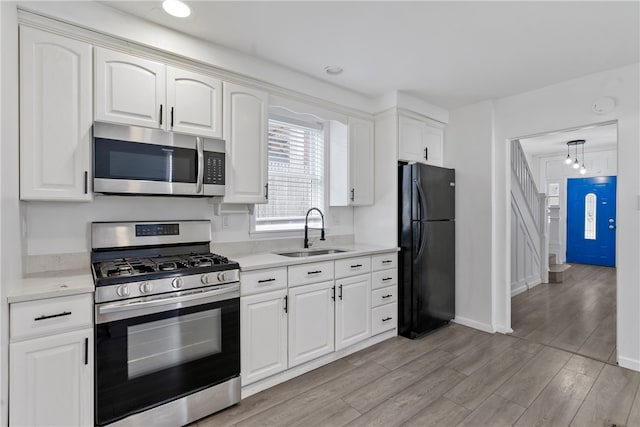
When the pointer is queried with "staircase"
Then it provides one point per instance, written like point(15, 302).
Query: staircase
point(529, 226)
point(558, 273)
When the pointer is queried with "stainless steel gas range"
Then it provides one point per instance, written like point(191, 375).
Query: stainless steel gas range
point(167, 317)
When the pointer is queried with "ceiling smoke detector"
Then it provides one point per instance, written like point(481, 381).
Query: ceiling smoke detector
point(333, 70)
point(176, 8)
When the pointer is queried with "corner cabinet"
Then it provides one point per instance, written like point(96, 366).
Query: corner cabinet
point(245, 126)
point(420, 140)
point(351, 164)
point(55, 117)
point(140, 92)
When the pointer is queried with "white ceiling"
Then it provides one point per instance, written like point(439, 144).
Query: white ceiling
point(448, 53)
point(597, 138)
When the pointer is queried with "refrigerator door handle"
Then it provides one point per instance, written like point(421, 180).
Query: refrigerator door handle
point(421, 242)
point(422, 201)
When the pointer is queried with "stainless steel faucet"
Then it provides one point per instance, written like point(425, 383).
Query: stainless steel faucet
point(306, 227)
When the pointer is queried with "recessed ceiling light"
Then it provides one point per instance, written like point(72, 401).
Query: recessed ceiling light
point(176, 8)
point(333, 70)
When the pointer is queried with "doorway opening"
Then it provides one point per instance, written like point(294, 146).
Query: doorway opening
point(563, 240)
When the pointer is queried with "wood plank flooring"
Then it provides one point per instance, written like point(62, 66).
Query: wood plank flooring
point(459, 376)
point(578, 315)
point(456, 376)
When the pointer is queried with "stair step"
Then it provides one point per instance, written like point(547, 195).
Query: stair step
point(558, 273)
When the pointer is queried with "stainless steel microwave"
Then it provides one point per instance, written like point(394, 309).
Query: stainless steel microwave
point(136, 160)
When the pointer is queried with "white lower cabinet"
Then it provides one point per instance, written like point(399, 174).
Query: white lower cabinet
point(51, 380)
point(353, 310)
point(264, 335)
point(311, 321)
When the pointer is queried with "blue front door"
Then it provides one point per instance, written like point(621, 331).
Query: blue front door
point(591, 220)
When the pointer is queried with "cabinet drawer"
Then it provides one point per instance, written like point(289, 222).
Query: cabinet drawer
point(352, 266)
point(384, 296)
point(268, 279)
point(383, 279)
point(53, 315)
point(384, 261)
point(384, 318)
point(310, 273)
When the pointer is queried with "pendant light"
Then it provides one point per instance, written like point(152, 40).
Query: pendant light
point(575, 163)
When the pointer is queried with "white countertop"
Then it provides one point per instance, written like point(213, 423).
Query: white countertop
point(52, 284)
point(269, 260)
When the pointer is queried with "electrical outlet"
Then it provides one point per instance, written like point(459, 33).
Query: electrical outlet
point(225, 221)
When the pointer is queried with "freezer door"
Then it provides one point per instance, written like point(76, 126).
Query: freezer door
point(433, 276)
point(433, 192)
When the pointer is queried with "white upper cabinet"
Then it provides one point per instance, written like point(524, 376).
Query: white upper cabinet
point(194, 103)
point(351, 164)
point(129, 90)
point(361, 161)
point(55, 117)
point(420, 141)
point(245, 133)
point(140, 92)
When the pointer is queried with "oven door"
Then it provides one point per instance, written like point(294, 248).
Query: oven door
point(153, 350)
point(146, 161)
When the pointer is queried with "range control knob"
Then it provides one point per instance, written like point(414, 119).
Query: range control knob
point(221, 276)
point(204, 279)
point(177, 283)
point(145, 287)
point(122, 291)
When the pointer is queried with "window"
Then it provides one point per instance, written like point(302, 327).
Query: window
point(590, 216)
point(296, 175)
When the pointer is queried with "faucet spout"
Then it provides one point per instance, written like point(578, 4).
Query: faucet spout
point(306, 226)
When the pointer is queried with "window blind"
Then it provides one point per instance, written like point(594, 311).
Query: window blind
point(295, 175)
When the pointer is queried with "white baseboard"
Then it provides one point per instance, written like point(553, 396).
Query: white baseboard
point(520, 289)
point(625, 362)
point(534, 282)
point(503, 329)
point(474, 324)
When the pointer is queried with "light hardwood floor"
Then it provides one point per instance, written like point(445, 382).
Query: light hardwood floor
point(578, 315)
point(456, 376)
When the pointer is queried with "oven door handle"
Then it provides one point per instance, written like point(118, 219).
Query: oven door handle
point(148, 305)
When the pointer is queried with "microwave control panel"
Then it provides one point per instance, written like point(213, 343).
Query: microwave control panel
point(213, 168)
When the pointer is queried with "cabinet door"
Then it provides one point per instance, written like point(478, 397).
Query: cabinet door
point(361, 162)
point(419, 141)
point(311, 321)
point(51, 380)
point(194, 103)
point(245, 134)
point(55, 117)
point(353, 310)
point(264, 335)
point(129, 90)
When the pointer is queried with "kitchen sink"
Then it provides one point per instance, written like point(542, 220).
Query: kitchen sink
point(312, 253)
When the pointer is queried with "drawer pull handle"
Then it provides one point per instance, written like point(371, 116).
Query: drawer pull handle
point(51, 316)
point(86, 351)
point(273, 279)
point(387, 319)
point(387, 261)
point(356, 266)
point(387, 278)
point(314, 272)
point(386, 296)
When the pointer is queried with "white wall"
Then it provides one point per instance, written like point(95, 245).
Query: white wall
point(467, 148)
point(562, 106)
point(10, 246)
point(552, 169)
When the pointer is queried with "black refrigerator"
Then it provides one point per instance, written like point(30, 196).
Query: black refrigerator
point(426, 273)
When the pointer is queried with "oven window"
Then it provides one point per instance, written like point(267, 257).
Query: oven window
point(147, 162)
point(161, 344)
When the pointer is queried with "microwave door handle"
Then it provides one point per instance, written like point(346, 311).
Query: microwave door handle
point(200, 177)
